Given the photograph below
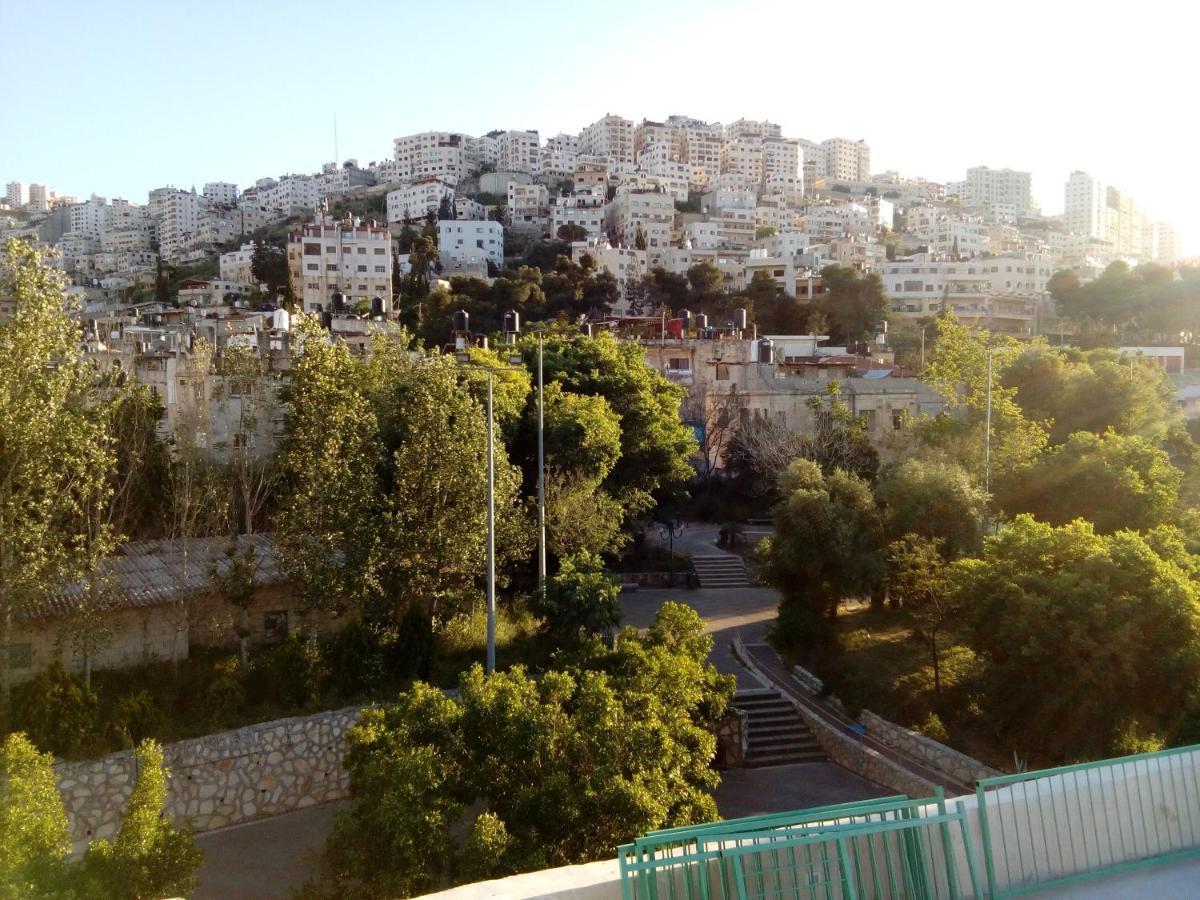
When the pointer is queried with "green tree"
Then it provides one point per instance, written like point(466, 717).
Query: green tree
point(1110, 480)
point(571, 232)
point(921, 581)
point(446, 208)
point(639, 239)
point(565, 767)
point(655, 446)
point(838, 439)
point(330, 455)
point(1084, 636)
point(853, 303)
point(581, 599)
point(54, 448)
point(828, 546)
point(150, 857)
point(958, 371)
point(34, 836)
point(935, 499)
point(269, 266)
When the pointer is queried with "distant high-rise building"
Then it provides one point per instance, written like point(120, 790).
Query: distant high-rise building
point(221, 192)
point(1166, 243)
point(841, 159)
point(984, 187)
point(1085, 206)
point(14, 193)
point(39, 197)
point(611, 137)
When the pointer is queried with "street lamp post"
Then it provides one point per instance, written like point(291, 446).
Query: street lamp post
point(541, 475)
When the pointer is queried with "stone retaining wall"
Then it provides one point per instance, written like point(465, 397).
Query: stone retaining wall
point(220, 779)
point(962, 768)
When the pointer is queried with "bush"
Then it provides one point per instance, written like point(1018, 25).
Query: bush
point(135, 717)
point(411, 654)
point(354, 659)
point(287, 673)
point(56, 711)
point(933, 728)
point(225, 695)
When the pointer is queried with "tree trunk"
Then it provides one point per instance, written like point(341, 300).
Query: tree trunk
point(5, 681)
point(937, 669)
point(244, 637)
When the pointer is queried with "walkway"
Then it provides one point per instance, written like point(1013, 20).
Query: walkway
point(752, 792)
point(768, 662)
point(266, 859)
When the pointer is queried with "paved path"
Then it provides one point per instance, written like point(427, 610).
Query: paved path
point(1167, 881)
point(752, 792)
point(726, 612)
point(263, 860)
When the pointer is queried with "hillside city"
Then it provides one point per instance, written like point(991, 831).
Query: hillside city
point(674, 508)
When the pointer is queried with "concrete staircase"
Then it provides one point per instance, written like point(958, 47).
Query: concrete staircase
point(723, 571)
point(775, 733)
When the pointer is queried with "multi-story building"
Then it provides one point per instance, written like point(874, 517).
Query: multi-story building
point(470, 244)
point(984, 187)
point(1085, 206)
point(174, 212)
point(14, 193)
point(418, 199)
point(781, 161)
point(1001, 293)
point(39, 197)
point(237, 264)
point(528, 205)
point(559, 157)
point(845, 160)
point(441, 154)
point(222, 192)
point(747, 128)
point(518, 151)
point(582, 208)
point(610, 137)
point(671, 136)
point(1167, 248)
point(342, 257)
point(702, 151)
point(651, 212)
point(90, 217)
point(1125, 225)
point(466, 208)
point(743, 156)
point(290, 194)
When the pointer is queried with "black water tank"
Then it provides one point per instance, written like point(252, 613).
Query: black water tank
point(461, 320)
point(339, 302)
point(586, 329)
point(766, 350)
point(739, 319)
point(512, 322)
point(327, 320)
point(701, 321)
point(377, 306)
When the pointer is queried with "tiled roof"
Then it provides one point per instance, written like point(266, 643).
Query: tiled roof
point(149, 573)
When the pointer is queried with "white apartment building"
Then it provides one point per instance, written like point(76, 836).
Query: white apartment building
point(747, 128)
point(781, 161)
point(470, 244)
point(222, 192)
point(1085, 209)
point(723, 198)
point(1167, 245)
point(743, 156)
point(518, 151)
point(346, 257)
point(701, 236)
point(591, 172)
point(418, 199)
point(485, 149)
point(774, 213)
point(1002, 293)
point(610, 137)
point(702, 151)
point(625, 264)
point(842, 159)
point(466, 208)
point(1131, 233)
point(14, 193)
point(441, 154)
point(984, 187)
point(583, 208)
point(236, 265)
point(89, 217)
point(786, 243)
point(788, 190)
point(945, 233)
point(838, 220)
point(39, 197)
point(174, 212)
point(651, 211)
point(528, 205)
point(291, 193)
point(559, 157)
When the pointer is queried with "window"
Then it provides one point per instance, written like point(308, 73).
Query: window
point(331, 267)
point(362, 268)
point(20, 656)
point(275, 625)
point(362, 249)
point(722, 371)
point(313, 267)
point(897, 419)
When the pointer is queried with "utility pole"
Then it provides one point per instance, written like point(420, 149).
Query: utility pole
point(987, 431)
point(491, 535)
point(541, 476)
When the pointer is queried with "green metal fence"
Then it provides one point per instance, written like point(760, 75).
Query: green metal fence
point(1072, 823)
point(875, 849)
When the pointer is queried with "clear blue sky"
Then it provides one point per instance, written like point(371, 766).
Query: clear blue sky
point(120, 97)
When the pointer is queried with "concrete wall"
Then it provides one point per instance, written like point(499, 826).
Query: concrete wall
point(221, 779)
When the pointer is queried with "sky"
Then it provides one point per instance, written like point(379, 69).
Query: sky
point(116, 98)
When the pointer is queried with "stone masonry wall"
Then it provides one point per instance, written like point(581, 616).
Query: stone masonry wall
point(962, 768)
point(220, 779)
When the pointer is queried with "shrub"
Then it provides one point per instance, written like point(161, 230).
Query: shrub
point(56, 710)
point(135, 717)
point(354, 659)
point(288, 673)
point(933, 728)
point(224, 695)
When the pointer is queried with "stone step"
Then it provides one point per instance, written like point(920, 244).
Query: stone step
point(759, 760)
